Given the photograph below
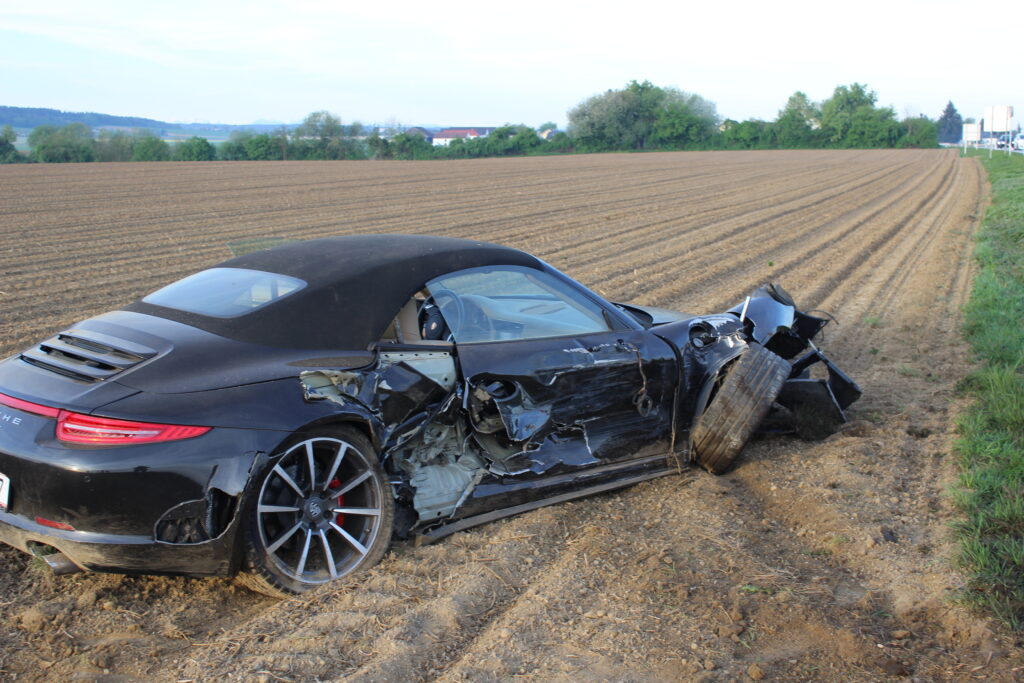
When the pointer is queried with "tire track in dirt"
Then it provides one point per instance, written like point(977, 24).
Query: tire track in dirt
point(712, 225)
point(781, 565)
point(904, 522)
point(791, 247)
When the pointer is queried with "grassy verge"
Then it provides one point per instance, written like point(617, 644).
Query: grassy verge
point(990, 491)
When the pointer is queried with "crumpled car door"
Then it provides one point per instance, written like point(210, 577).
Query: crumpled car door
point(553, 404)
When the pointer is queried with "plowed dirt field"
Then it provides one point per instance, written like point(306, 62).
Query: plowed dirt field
point(809, 561)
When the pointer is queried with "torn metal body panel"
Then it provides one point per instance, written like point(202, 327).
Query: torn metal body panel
point(817, 405)
point(704, 345)
point(599, 392)
point(287, 411)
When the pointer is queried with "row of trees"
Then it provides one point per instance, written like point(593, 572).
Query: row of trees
point(644, 116)
point(501, 142)
point(640, 116)
point(322, 136)
point(75, 142)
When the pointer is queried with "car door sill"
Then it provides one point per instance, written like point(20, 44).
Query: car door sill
point(462, 524)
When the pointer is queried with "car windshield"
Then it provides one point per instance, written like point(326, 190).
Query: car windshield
point(225, 292)
point(500, 303)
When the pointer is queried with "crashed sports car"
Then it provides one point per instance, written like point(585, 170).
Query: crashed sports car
point(285, 414)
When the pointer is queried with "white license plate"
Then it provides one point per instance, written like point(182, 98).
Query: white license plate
point(5, 491)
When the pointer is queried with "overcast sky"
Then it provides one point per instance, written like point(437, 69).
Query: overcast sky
point(479, 63)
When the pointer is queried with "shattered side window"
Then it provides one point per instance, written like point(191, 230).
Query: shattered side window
point(509, 303)
point(225, 292)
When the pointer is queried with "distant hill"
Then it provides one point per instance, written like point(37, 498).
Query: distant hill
point(30, 117)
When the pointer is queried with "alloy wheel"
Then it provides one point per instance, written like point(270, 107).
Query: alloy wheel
point(319, 510)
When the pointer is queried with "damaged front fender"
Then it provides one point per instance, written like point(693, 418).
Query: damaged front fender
point(816, 405)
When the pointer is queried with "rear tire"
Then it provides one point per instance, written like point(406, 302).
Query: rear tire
point(321, 510)
point(743, 399)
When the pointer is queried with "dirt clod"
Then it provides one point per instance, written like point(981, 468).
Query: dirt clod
point(919, 432)
point(33, 620)
point(894, 667)
point(86, 599)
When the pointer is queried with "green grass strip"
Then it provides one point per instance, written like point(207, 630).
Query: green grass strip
point(990, 449)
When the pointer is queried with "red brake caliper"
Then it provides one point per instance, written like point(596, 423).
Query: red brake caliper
point(335, 483)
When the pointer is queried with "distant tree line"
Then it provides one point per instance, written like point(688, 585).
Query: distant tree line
point(644, 116)
point(640, 116)
point(505, 141)
point(75, 142)
point(321, 136)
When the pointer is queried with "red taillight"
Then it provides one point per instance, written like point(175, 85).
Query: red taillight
point(53, 524)
point(106, 431)
point(26, 406)
point(78, 428)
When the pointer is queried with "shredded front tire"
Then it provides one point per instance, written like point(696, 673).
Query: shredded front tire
point(743, 399)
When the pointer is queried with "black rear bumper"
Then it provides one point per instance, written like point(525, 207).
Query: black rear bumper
point(160, 508)
point(123, 554)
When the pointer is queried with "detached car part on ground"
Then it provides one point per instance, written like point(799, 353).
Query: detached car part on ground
point(282, 415)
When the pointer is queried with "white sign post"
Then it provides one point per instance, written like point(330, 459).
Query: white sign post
point(972, 134)
point(997, 120)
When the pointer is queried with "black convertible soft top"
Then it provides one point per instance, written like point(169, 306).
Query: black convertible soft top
point(355, 286)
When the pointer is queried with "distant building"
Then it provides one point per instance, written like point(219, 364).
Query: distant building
point(445, 137)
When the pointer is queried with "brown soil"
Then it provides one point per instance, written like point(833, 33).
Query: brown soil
point(809, 561)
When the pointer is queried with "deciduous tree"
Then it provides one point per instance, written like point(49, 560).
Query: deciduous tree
point(72, 142)
point(919, 131)
point(114, 146)
point(405, 146)
point(8, 152)
point(263, 147)
point(798, 124)
point(321, 136)
point(751, 134)
point(850, 119)
point(150, 148)
point(195, 149)
point(641, 116)
point(837, 112)
point(233, 149)
point(378, 147)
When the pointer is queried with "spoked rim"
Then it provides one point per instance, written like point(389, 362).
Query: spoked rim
point(319, 510)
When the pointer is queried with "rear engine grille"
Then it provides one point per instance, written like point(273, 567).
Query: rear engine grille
point(86, 355)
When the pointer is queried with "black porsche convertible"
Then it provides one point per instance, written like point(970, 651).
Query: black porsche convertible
point(283, 415)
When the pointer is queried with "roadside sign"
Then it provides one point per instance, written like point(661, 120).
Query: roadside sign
point(997, 119)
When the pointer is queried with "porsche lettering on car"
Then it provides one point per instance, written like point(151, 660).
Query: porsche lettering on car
point(284, 415)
